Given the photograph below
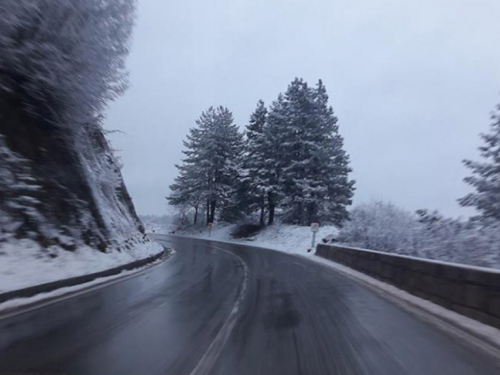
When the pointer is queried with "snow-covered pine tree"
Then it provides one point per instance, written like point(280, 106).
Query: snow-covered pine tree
point(486, 175)
point(315, 180)
point(212, 153)
point(297, 133)
point(223, 146)
point(254, 160)
point(332, 166)
point(187, 190)
point(191, 184)
point(273, 156)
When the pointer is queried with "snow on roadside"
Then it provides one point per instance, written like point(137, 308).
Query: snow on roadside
point(20, 302)
point(291, 238)
point(23, 263)
point(288, 238)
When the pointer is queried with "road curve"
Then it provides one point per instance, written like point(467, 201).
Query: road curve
point(218, 308)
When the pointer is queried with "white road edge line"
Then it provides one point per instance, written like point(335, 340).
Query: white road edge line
point(208, 359)
point(66, 293)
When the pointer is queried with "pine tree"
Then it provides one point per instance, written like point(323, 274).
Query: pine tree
point(253, 182)
point(190, 186)
point(314, 178)
point(332, 166)
point(297, 140)
point(187, 190)
point(486, 175)
point(224, 145)
point(273, 157)
point(210, 171)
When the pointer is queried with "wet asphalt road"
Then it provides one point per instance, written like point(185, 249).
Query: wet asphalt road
point(228, 309)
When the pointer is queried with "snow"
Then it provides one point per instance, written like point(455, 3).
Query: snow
point(23, 263)
point(34, 228)
point(20, 302)
point(288, 238)
point(77, 53)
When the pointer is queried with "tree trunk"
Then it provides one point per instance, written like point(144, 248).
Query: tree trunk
point(212, 211)
point(195, 215)
point(262, 210)
point(271, 209)
point(312, 214)
point(208, 211)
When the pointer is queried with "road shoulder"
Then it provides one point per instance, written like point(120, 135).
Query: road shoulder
point(65, 289)
point(477, 334)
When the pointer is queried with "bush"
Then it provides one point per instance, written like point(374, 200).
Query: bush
point(246, 230)
point(385, 227)
point(382, 226)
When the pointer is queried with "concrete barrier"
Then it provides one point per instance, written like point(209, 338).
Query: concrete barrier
point(49, 287)
point(470, 291)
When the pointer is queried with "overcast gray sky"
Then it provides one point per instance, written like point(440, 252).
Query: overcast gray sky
point(412, 82)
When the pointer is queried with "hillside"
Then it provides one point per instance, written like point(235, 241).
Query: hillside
point(64, 208)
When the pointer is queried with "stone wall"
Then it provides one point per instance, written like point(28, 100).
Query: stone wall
point(470, 291)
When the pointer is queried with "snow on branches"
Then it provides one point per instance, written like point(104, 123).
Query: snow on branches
point(65, 59)
point(209, 175)
point(292, 162)
point(486, 175)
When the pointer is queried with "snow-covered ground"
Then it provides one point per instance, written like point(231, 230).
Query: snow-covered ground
point(16, 303)
point(288, 238)
point(24, 263)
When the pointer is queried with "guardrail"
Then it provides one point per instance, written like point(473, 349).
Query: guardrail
point(470, 291)
point(49, 287)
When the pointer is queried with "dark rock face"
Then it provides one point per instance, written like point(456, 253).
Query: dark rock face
point(58, 187)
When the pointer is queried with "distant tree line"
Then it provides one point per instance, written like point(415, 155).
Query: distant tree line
point(290, 160)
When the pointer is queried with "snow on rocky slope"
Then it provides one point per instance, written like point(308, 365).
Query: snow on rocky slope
point(64, 208)
point(64, 212)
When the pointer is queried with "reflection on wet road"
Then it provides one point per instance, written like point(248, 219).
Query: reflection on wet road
point(218, 308)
